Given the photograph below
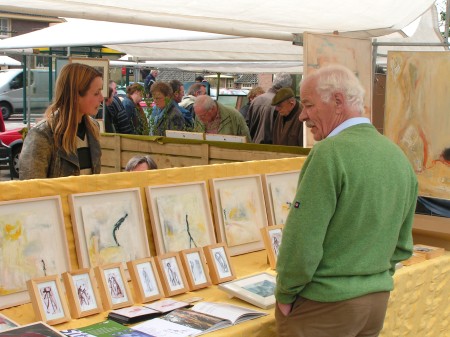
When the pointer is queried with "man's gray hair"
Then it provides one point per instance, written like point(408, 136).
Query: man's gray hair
point(136, 160)
point(282, 80)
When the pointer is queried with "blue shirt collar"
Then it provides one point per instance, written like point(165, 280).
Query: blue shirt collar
point(348, 123)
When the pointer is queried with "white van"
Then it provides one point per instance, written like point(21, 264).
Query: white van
point(11, 90)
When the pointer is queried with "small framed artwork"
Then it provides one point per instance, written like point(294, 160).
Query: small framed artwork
point(6, 323)
point(240, 212)
point(33, 329)
point(81, 289)
point(180, 216)
point(279, 193)
point(113, 286)
point(194, 264)
point(48, 299)
point(173, 279)
point(102, 65)
point(109, 227)
point(272, 236)
point(33, 244)
point(219, 263)
point(145, 280)
point(257, 289)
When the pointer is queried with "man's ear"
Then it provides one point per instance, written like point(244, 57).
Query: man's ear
point(339, 100)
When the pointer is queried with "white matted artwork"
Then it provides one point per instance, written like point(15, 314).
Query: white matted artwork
point(109, 227)
point(196, 271)
point(113, 286)
point(219, 263)
point(180, 216)
point(173, 279)
point(145, 279)
point(33, 244)
point(279, 192)
point(240, 212)
point(272, 237)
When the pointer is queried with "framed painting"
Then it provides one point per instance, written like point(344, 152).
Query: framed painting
point(257, 289)
point(145, 280)
point(239, 212)
point(272, 237)
point(82, 292)
point(7, 323)
point(173, 279)
point(180, 216)
point(34, 230)
point(113, 286)
point(48, 299)
point(102, 65)
point(196, 271)
point(219, 263)
point(279, 192)
point(109, 227)
point(33, 329)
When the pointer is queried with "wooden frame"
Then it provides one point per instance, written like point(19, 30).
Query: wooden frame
point(109, 227)
point(279, 193)
point(219, 263)
point(48, 299)
point(102, 65)
point(113, 286)
point(215, 137)
point(195, 268)
point(172, 277)
point(145, 280)
point(33, 329)
point(239, 212)
point(185, 134)
point(272, 237)
point(82, 292)
point(180, 216)
point(7, 323)
point(256, 289)
point(34, 230)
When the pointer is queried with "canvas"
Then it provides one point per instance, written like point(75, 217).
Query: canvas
point(33, 244)
point(416, 116)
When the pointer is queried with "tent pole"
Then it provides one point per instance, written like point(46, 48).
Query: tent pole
point(447, 20)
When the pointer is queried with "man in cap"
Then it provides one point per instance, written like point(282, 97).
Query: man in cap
point(287, 129)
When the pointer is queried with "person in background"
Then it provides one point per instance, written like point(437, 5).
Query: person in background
point(66, 141)
point(195, 90)
point(141, 163)
point(214, 117)
point(135, 113)
point(261, 114)
point(199, 79)
point(178, 94)
point(149, 81)
point(252, 94)
point(2, 123)
point(351, 220)
point(165, 115)
point(287, 129)
point(116, 118)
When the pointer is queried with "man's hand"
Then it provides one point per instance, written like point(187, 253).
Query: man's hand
point(285, 308)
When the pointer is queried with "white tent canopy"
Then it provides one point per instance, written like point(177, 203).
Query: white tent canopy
point(8, 61)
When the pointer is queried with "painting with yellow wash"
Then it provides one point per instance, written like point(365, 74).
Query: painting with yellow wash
point(109, 227)
point(417, 115)
point(181, 216)
point(240, 212)
point(32, 244)
point(356, 54)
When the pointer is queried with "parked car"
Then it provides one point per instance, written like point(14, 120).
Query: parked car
point(13, 138)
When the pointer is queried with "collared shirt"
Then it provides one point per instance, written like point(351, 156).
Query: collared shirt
point(348, 123)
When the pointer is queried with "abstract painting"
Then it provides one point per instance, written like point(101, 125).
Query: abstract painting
point(33, 244)
point(417, 117)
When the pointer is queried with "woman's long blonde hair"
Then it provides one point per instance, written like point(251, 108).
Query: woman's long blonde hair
point(74, 80)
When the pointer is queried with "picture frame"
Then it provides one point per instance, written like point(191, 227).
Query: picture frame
point(239, 212)
point(109, 227)
point(82, 292)
point(113, 286)
point(172, 277)
point(33, 329)
point(48, 299)
point(219, 263)
point(145, 280)
point(256, 289)
point(195, 268)
point(7, 323)
point(26, 231)
point(102, 65)
point(272, 237)
point(279, 193)
point(180, 216)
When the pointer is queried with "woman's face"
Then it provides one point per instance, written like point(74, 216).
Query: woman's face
point(159, 99)
point(90, 102)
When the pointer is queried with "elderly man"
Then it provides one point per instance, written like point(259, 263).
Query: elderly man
point(178, 93)
point(213, 117)
point(351, 220)
point(195, 90)
point(287, 129)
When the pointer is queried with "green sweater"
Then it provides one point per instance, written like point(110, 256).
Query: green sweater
point(351, 219)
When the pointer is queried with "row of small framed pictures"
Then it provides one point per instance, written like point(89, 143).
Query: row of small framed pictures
point(152, 278)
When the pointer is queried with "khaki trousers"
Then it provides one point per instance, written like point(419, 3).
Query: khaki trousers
point(358, 317)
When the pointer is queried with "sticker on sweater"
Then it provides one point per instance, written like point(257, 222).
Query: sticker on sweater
point(297, 204)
